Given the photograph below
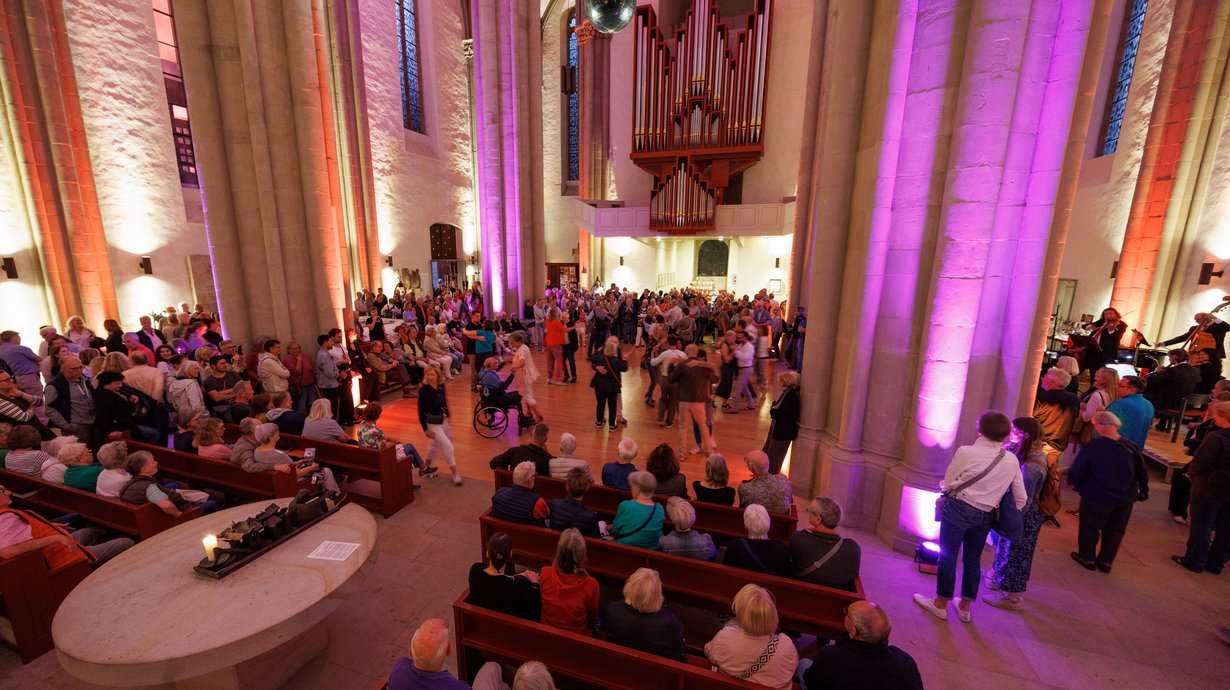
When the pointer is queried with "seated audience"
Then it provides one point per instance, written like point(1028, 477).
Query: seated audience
point(284, 415)
point(758, 552)
point(5, 428)
point(615, 474)
point(259, 406)
point(186, 423)
point(750, 647)
point(569, 511)
point(819, 555)
point(535, 451)
point(321, 426)
point(114, 410)
point(865, 659)
point(493, 584)
point(684, 541)
point(208, 439)
point(423, 667)
point(532, 675)
point(52, 469)
point(113, 478)
point(24, 456)
point(640, 622)
point(714, 488)
point(520, 503)
point(145, 488)
point(567, 460)
point(21, 407)
point(267, 457)
point(22, 531)
point(638, 522)
point(569, 594)
point(370, 436)
point(184, 392)
point(80, 472)
point(664, 467)
point(245, 446)
point(1167, 387)
point(769, 490)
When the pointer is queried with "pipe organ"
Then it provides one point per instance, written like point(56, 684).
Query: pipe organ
point(698, 110)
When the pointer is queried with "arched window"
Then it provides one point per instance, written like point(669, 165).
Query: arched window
point(713, 258)
point(1116, 104)
point(411, 75)
point(574, 103)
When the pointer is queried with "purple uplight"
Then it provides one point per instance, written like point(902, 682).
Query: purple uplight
point(931, 546)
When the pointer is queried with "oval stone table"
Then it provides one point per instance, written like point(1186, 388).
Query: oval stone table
point(146, 619)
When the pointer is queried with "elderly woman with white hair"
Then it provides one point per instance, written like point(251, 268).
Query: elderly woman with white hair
point(639, 621)
point(113, 477)
point(76, 457)
point(819, 554)
point(567, 459)
point(750, 647)
point(267, 457)
point(615, 474)
point(785, 425)
point(685, 541)
point(437, 354)
point(184, 391)
point(639, 522)
point(757, 552)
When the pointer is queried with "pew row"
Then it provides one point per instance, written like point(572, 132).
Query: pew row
point(142, 521)
point(801, 606)
point(395, 477)
point(31, 592)
point(220, 474)
point(484, 635)
point(722, 522)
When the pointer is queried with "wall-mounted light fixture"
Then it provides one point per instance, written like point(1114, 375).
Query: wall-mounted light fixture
point(777, 263)
point(1207, 273)
point(147, 265)
point(10, 268)
point(1114, 270)
point(621, 261)
point(388, 261)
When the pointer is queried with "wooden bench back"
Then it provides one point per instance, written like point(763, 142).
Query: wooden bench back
point(722, 522)
point(143, 521)
point(486, 635)
point(801, 606)
point(396, 478)
point(32, 592)
point(220, 474)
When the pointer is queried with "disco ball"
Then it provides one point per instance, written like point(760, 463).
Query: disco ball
point(610, 16)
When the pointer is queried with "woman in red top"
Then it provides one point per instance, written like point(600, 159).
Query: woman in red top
point(302, 377)
point(556, 336)
point(569, 594)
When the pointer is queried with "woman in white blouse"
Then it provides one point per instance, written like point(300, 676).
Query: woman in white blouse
point(1105, 391)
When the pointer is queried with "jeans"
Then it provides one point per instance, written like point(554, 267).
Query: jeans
point(1105, 521)
point(653, 382)
point(1209, 514)
point(303, 398)
point(962, 527)
point(667, 403)
point(104, 551)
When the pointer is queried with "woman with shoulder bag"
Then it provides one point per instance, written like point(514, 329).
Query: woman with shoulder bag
point(1014, 559)
point(606, 382)
point(975, 485)
point(433, 415)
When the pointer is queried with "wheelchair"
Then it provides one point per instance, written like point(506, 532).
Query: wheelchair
point(491, 419)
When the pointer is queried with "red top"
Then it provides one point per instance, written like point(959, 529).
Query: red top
point(569, 602)
point(557, 333)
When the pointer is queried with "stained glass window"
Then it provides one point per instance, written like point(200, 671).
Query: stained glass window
point(574, 105)
point(177, 95)
point(411, 75)
point(1117, 104)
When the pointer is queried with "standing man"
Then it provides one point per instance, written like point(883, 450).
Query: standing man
point(1055, 408)
point(1135, 414)
point(23, 364)
point(70, 403)
point(1109, 474)
point(149, 336)
point(1210, 504)
point(665, 362)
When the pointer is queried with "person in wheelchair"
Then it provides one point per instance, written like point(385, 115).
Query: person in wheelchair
point(494, 390)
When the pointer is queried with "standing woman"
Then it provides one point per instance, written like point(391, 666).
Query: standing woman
point(785, 425)
point(77, 333)
point(1014, 560)
point(1107, 331)
point(1109, 474)
point(571, 345)
point(540, 321)
point(1105, 390)
point(433, 415)
point(302, 380)
point(606, 382)
point(526, 372)
point(726, 378)
point(555, 335)
point(115, 336)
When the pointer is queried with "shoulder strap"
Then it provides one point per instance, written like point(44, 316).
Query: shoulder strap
point(823, 559)
point(986, 470)
point(652, 512)
point(747, 546)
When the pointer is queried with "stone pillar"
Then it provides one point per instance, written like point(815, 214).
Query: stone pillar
point(256, 89)
point(1159, 183)
point(938, 203)
point(60, 231)
point(507, 91)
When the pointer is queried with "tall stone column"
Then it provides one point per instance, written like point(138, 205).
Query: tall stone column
point(60, 226)
point(255, 84)
point(507, 94)
point(939, 206)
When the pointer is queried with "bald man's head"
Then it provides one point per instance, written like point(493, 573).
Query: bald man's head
point(869, 622)
point(430, 645)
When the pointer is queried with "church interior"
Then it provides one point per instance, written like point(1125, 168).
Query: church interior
point(946, 197)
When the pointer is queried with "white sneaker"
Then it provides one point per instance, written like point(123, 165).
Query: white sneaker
point(928, 604)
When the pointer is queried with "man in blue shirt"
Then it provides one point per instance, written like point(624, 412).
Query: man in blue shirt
point(22, 362)
point(1134, 412)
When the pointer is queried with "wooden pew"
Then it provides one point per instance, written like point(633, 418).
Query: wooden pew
point(220, 474)
point(134, 520)
point(396, 478)
point(32, 592)
point(485, 635)
point(801, 606)
point(722, 522)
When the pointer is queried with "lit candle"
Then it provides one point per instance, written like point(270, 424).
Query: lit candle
point(211, 543)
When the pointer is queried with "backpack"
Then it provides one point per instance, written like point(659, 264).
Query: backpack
point(1049, 500)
